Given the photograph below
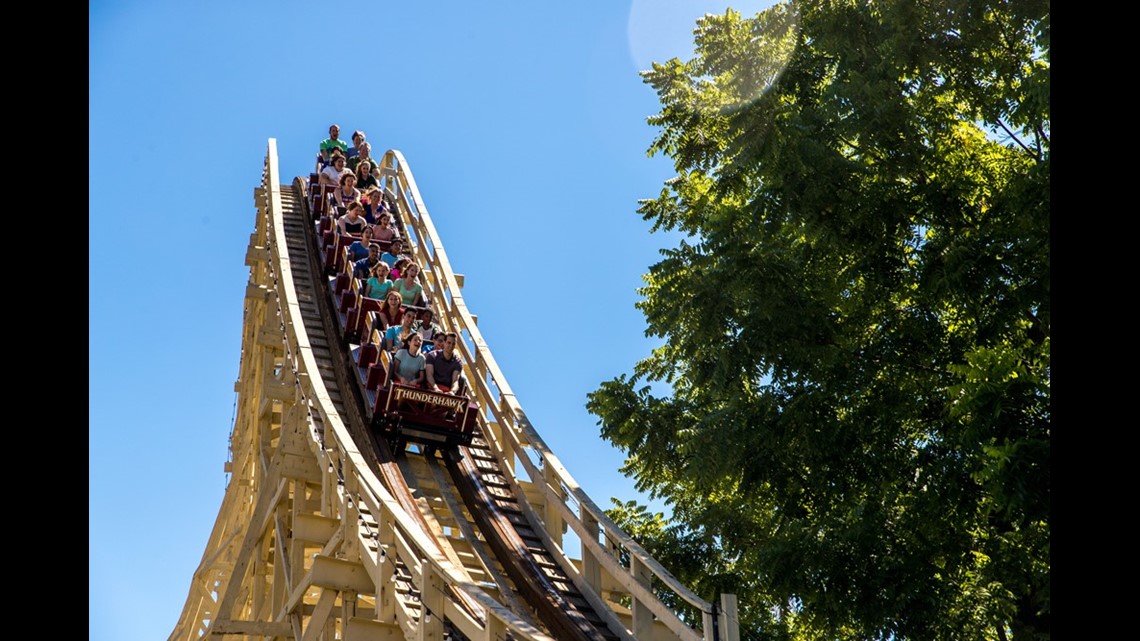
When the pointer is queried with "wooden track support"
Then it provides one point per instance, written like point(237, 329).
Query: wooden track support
point(311, 544)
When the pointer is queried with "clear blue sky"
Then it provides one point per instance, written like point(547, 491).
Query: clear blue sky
point(524, 124)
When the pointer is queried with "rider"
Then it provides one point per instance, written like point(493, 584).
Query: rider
point(444, 366)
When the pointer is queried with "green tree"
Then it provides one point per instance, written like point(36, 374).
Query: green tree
point(849, 413)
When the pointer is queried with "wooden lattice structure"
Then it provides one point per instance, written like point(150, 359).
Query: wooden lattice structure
point(313, 541)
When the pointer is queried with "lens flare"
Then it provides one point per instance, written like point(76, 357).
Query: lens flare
point(660, 30)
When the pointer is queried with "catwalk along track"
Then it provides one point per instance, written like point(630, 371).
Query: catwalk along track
point(350, 513)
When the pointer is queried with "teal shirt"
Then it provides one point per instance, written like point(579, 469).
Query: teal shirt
point(410, 366)
point(377, 289)
point(392, 336)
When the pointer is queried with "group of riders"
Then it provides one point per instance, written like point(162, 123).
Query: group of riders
point(422, 355)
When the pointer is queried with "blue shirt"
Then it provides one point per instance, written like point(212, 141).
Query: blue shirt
point(392, 337)
point(373, 215)
point(361, 268)
point(357, 250)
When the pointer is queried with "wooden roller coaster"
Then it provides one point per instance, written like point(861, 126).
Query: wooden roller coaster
point(330, 530)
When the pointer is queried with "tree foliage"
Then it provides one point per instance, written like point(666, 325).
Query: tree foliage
point(849, 413)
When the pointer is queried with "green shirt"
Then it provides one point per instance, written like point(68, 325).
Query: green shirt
point(355, 160)
point(328, 144)
point(377, 289)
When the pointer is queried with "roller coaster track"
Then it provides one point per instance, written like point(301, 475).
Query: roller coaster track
point(325, 532)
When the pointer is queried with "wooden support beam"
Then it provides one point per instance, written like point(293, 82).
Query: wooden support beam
point(256, 292)
point(300, 467)
point(432, 601)
point(333, 573)
point(255, 255)
point(280, 391)
point(320, 617)
point(495, 629)
point(552, 516)
point(359, 629)
point(273, 338)
point(258, 520)
point(312, 528)
point(642, 614)
point(327, 572)
point(591, 570)
point(729, 618)
point(251, 628)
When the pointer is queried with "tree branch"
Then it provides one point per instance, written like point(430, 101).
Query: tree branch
point(1017, 140)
